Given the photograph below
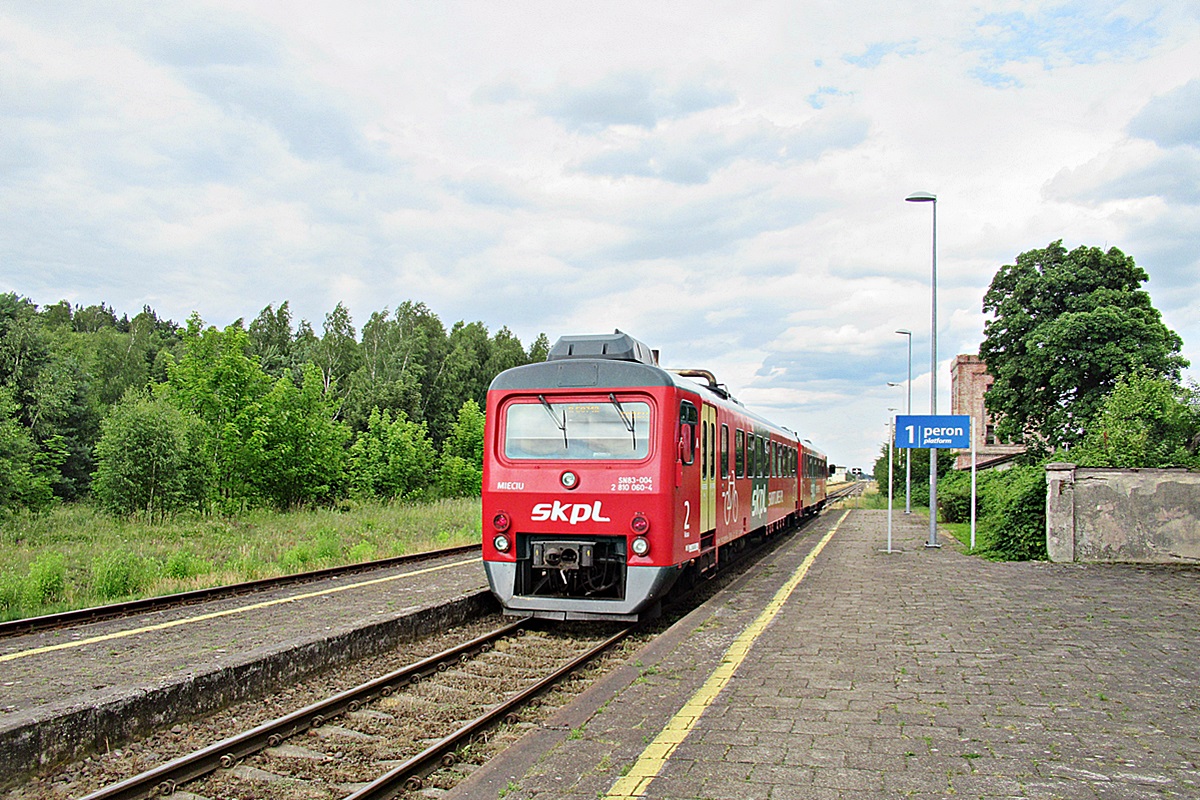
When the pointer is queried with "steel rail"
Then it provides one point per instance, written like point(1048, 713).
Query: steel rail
point(408, 775)
point(164, 779)
point(18, 627)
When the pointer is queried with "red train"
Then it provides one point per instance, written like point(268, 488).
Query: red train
point(605, 478)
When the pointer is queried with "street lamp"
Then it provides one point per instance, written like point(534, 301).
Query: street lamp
point(908, 410)
point(927, 197)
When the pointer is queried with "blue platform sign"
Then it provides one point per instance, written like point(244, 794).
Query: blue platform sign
point(941, 432)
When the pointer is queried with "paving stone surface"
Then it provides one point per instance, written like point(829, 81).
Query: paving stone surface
point(926, 673)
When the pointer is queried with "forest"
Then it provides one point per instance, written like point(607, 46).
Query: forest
point(146, 417)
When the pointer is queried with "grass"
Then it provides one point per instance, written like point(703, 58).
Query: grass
point(76, 556)
point(962, 532)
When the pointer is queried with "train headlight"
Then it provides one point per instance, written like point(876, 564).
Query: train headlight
point(640, 546)
point(639, 524)
point(502, 521)
point(569, 480)
point(501, 543)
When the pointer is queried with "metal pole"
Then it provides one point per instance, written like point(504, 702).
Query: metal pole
point(926, 197)
point(933, 461)
point(972, 483)
point(891, 449)
point(908, 410)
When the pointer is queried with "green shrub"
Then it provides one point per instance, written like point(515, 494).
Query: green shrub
point(118, 574)
point(363, 551)
point(46, 582)
point(11, 589)
point(954, 497)
point(183, 564)
point(328, 546)
point(248, 566)
point(1015, 527)
point(298, 558)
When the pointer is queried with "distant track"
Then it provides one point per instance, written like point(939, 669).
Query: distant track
point(19, 627)
point(846, 490)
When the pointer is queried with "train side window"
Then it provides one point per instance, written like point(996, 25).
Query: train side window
point(687, 432)
point(712, 456)
point(739, 439)
point(725, 450)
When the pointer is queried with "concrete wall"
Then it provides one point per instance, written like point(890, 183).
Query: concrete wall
point(1140, 515)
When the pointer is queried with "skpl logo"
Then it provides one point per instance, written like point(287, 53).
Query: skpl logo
point(570, 513)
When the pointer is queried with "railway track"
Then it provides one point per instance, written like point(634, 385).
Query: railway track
point(380, 738)
point(845, 490)
point(63, 619)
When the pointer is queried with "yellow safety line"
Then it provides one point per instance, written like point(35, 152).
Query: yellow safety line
point(650, 763)
point(215, 614)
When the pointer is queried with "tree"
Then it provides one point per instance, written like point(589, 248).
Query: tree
point(303, 454)
point(271, 340)
point(1144, 422)
point(218, 381)
point(22, 483)
point(393, 458)
point(50, 389)
point(505, 352)
point(336, 354)
point(389, 378)
point(1065, 328)
point(539, 349)
point(460, 473)
point(148, 459)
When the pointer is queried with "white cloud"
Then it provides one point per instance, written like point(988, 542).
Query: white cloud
point(723, 181)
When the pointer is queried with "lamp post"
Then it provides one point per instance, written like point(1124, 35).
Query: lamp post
point(927, 197)
point(908, 410)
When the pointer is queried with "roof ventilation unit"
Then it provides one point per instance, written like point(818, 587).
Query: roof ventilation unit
point(615, 346)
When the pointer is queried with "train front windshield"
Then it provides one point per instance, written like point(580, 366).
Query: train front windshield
point(605, 429)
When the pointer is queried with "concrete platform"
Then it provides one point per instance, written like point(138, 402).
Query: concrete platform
point(89, 688)
point(924, 673)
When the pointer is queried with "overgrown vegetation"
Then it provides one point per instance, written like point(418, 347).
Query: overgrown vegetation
point(76, 556)
point(1010, 510)
point(139, 457)
point(151, 419)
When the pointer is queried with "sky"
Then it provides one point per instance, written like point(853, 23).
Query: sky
point(723, 180)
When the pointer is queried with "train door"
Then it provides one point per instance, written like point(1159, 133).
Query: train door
point(689, 468)
point(708, 468)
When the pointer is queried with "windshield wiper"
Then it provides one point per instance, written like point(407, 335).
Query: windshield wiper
point(612, 398)
point(562, 426)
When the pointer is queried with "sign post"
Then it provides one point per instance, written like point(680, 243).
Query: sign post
point(933, 432)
